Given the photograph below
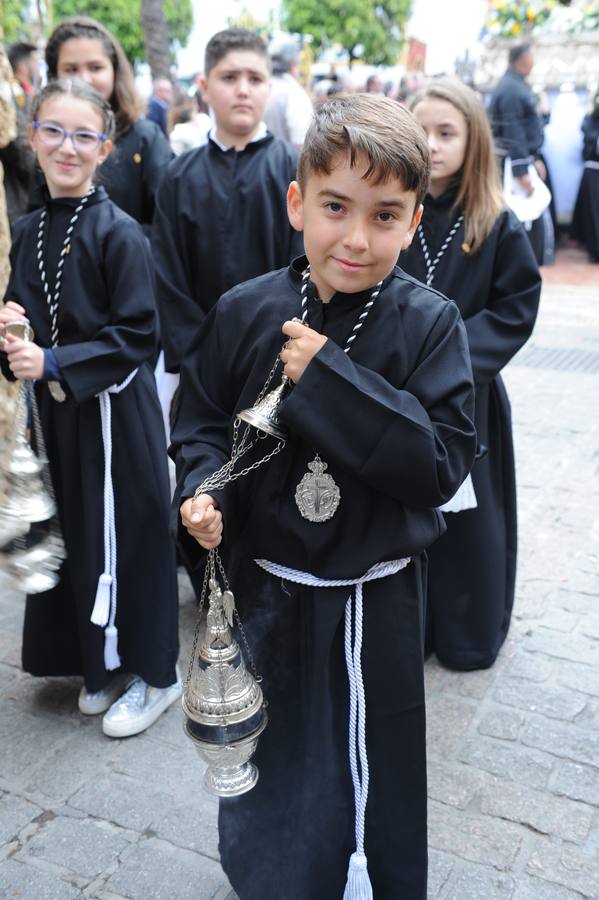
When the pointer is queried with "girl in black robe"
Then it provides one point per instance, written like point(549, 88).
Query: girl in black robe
point(585, 222)
point(103, 335)
point(81, 47)
point(475, 251)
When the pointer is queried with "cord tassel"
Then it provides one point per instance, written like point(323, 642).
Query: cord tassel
point(101, 610)
point(112, 660)
point(105, 605)
point(358, 886)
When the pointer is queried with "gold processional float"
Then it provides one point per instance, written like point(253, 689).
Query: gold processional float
point(225, 710)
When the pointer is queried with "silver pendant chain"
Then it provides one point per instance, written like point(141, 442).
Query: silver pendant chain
point(317, 495)
point(361, 318)
point(53, 298)
point(432, 265)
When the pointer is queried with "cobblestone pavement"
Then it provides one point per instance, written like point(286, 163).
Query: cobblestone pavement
point(513, 751)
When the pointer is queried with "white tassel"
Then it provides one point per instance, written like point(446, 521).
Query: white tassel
point(101, 610)
point(112, 660)
point(358, 886)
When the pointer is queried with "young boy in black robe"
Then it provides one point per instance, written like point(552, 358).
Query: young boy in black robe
point(220, 211)
point(388, 414)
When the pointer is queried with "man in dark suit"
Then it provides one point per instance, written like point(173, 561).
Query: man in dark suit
point(159, 103)
point(518, 128)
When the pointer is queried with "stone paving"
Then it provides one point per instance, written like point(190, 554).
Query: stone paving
point(513, 751)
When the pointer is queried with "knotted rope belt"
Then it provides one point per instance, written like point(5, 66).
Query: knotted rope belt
point(358, 885)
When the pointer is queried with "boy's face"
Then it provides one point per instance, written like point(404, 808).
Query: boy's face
point(237, 89)
point(354, 230)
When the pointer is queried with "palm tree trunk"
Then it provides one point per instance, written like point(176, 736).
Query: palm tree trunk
point(156, 38)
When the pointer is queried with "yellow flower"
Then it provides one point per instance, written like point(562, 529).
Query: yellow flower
point(516, 28)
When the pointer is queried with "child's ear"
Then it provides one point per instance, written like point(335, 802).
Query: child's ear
point(203, 85)
point(105, 149)
point(409, 235)
point(295, 206)
point(31, 136)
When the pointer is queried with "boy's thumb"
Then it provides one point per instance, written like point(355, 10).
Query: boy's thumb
point(199, 508)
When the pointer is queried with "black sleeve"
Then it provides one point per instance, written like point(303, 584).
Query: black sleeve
point(416, 443)
point(200, 440)
point(130, 337)
point(180, 313)
point(497, 332)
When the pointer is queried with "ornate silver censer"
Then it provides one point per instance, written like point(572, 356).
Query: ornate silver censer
point(222, 701)
point(27, 497)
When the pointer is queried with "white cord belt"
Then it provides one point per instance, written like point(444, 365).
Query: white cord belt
point(104, 611)
point(358, 885)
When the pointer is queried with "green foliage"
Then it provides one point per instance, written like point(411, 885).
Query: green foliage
point(374, 27)
point(122, 17)
point(17, 21)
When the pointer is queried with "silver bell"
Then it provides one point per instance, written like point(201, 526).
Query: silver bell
point(264, 415)
point(20, 328)
point(26, 496)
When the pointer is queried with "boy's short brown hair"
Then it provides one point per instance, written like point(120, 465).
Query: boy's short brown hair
point(373, 128)
point(223, 42)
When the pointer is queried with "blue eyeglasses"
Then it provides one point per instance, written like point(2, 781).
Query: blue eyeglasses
point(54, 136)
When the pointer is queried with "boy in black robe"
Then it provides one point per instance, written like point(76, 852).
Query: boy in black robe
point(390, 414)
point(220, 211)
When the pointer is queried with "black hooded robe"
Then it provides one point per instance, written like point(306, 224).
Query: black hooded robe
point(107, 327)
point(472, 568)
point(221, 219)
point(393, 421)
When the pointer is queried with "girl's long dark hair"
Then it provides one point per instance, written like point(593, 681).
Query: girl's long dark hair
point(126, 103)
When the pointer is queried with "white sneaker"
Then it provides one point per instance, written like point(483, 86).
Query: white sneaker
point(98, 702)
point(139, 708)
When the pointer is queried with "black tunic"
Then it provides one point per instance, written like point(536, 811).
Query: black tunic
point(107, 328)
point(393, 422)
point(585, 221)
point(472, 568)
point(221, 218)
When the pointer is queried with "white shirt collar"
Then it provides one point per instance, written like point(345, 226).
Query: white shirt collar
point(262, 132)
